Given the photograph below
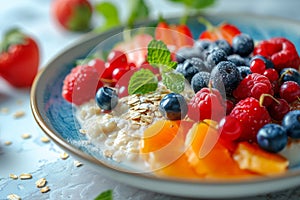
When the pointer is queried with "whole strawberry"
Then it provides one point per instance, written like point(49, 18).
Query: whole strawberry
point(206, 104)
point(74, 15)
point(252, 116)
point(281, 51)
point(81, 84)
point(254, 85)
point(19, 58)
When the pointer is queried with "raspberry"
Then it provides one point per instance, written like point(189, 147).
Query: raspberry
point(280, 51)
point(81, 84)
point(206, 104)
point(254, 85)
point(252, 116)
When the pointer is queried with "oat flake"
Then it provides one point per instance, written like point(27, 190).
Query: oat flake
point(45, 189)
point(25, 176)
point(13, 197)
point(41, 183)
point(64, 155)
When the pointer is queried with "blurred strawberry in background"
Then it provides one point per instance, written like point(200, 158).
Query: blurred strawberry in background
point(73, 15)
point(19, 58)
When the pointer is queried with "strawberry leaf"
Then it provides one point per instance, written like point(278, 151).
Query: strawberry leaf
point(110, 14)
point(142, 82)
point(192, 4)
point(159, 55)
point(173, 81)
point(139, 11)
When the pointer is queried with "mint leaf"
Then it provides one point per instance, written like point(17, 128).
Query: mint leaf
point(106, 195)
point(139, 10)
point(142, 82)
point(173, 81)
point(110, 13)
point(159, 55)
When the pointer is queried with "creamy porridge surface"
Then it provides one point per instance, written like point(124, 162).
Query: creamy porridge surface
point(118, 133)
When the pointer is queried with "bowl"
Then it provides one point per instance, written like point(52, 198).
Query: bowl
point(57, 119)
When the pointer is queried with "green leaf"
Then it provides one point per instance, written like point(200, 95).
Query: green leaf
point(106, 195)
point(174, 81)
point(142, 82)
point(192, 4)
point(159, 55)
point(81, 19)
point(138, 11)
point(110, 13)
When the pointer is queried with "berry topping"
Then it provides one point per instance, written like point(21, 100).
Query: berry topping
point(280, 51)
point(106, 98)
point(185, 53)
point(200, 80)
point(206, 104)
point(222, 31)
point(224, 45)
point(254, 85)
point(278, 109)
point(257, 66)
point(290, 74)
point(225, 77)
point(242, 44)
point(214, 57)
point(229, 128)
point(244, 71)
point(81, 84)
point(268, 62)
point(237, 60)
point(271, 74)
point(291, 122)
point(173, 106)
point(272, 138)
point(190, 67)
point(290, 91)
point(252, 117)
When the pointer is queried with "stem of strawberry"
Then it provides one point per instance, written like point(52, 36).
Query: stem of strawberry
point(206, 23)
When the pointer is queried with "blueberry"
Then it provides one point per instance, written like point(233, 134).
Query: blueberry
point(185, 53)
point(268, 63)
point(242, 44)
point(291, 122)
point(290, 74)
point(238, 60)
point(200, 80)
point(204, 46)
point(190, 67)
point(173, 106)
point(225, 76)
point(244, 71)
point(272, 138)
point(224, 45)
point(214, 57)
point(106, 98)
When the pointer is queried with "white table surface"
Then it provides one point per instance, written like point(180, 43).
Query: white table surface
point(42, 159)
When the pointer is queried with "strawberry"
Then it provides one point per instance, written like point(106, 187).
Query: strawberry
point(281, 51)
point(175, 36)
point(74, 15)
point(206, 104)
point(81, 84)
point(224, 30)
point(135, 48)
point(252, 117)
point(254, 85)
point(19, 58)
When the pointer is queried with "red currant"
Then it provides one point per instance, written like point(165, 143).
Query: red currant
point(258, 66)
point(118, 73)
point(290, 91)
point(271, 74)
point(229, 128)
point(278, 108)
point(117, 59)
point(229, 106)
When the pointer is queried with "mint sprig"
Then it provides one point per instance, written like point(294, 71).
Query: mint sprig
point(159, 55)
point(142, 82)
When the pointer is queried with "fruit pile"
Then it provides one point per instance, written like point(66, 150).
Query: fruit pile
point(244, 110)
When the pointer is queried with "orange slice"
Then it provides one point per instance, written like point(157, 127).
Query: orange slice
point(251, 157)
